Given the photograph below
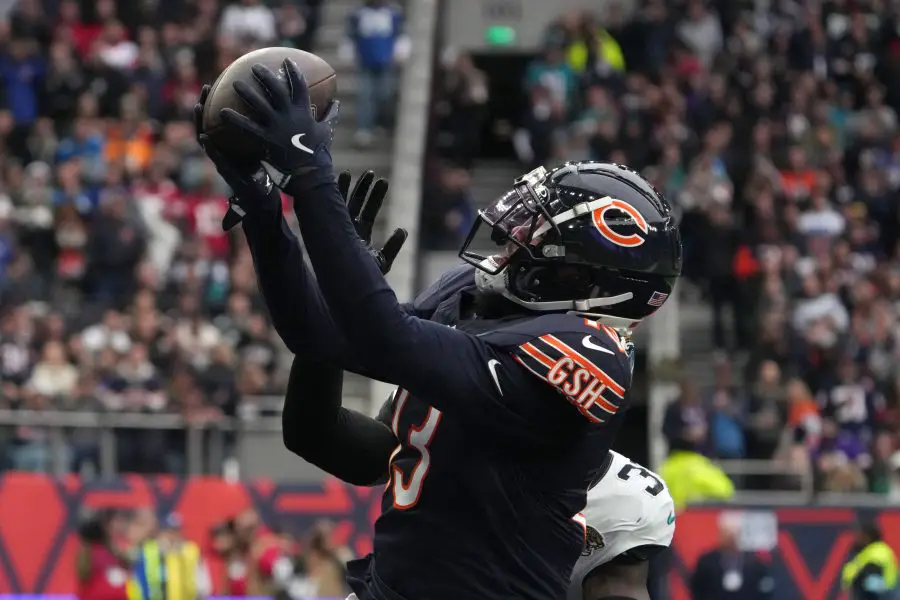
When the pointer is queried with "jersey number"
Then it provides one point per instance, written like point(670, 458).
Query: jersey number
point(407, 488)
point(654, 489)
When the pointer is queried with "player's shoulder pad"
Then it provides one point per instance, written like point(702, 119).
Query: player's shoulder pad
point(583, 360)
point(637, 504)
point(445, 288)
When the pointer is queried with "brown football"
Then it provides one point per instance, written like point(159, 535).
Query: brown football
point(320, 78)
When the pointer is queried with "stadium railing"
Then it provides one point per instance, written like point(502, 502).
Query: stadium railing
point(208, 444)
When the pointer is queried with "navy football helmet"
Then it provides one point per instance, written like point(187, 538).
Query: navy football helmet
point(586, 237)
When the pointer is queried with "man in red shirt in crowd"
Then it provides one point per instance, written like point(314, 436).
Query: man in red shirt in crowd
point(102, 566)
point(269, 568)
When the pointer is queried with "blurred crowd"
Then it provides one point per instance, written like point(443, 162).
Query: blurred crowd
point(460, 114)
point(773, 131)
point(123, 553)
point(118, 289)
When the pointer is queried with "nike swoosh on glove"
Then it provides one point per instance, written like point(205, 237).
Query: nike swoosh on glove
point(363, 204)
point(251, 188)
point(296, 143)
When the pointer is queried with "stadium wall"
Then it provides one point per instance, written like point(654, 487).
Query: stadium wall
point(806, 546)
point(39, 516)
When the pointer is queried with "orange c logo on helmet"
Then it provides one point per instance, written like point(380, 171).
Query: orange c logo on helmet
point(628, 241)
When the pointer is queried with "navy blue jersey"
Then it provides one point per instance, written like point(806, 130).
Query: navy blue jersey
point(502, 423)
point(480, 500)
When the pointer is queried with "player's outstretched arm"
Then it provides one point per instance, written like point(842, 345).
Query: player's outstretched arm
point(296, 306)
point(386, 341)
point(349, 445)
point(289, 288)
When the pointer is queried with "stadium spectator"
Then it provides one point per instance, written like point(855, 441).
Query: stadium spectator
point(324, 564)
point(101, 562)
point(693, 478)
point(165, 553)
point(871, 574)
point(462, 107)
point(686, 422)
point(249, 19)
point(728, 571)
point(377, 45)
point(449, 213)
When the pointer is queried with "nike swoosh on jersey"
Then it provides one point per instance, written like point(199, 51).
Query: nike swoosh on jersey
point(296, 141)
point(588, 343)
point(492, 367)
point(671, 519)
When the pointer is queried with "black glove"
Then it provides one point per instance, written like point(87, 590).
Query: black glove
point(296, 143)
point(363, 205)
point(251, 188)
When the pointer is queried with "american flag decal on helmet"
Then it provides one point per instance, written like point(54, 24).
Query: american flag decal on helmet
point(657, 299)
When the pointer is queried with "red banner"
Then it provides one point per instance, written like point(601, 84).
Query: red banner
point(812, 546)
point(39, 516)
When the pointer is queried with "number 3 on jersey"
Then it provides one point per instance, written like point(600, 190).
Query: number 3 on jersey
point(407, 487)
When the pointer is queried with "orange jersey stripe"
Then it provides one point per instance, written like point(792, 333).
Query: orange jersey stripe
point(532, 351)
point(584, 363)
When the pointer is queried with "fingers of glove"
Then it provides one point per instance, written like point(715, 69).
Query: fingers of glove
point(391, 249)
point(231, 219)
point(211, 150)
point(279, 93)
point(198, 122)
point(374, 203)
point(226, 168)
point(236, 119)
point(198, 111)
point(299, 90)
point(331, 113)
point(252, 96)
point(344, 186)
point(359, 194)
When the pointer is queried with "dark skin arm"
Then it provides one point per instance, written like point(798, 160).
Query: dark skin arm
point(617, 580)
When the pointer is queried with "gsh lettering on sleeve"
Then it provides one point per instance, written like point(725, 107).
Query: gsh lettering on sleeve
point(588, 387)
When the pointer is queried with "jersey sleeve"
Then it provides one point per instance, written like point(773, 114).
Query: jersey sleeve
point(629, 513)
point(295, 303)
point(588, 366)
point(298, 311)
point(352, 446)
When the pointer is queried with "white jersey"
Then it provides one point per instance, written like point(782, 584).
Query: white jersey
point(628, 508)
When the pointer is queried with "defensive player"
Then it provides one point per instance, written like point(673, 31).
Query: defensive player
point(629, 518)
point(511, 377)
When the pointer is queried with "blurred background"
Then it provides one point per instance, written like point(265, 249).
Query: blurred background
point(140, 379)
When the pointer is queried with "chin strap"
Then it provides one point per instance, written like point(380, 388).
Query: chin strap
point(498, 283)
